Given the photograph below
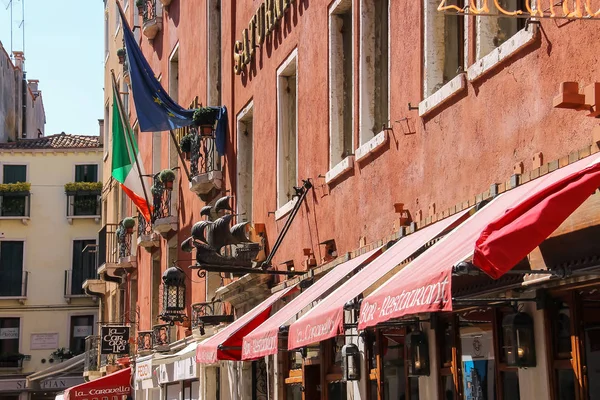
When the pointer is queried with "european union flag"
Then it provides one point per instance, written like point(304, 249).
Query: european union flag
point(156, 111)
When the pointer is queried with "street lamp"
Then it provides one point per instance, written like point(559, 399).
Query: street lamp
point(417, 357)
point(350, 362)
point(519, 344)
point(173, 295)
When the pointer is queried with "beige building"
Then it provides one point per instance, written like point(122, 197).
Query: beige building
point(22, 114)
point(50, 216)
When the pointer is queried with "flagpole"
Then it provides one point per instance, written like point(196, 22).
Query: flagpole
point(125, 119)
point(185, 168)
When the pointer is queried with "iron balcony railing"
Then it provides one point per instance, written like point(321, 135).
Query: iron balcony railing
point(211, 313)
point(92, 346)
point(74, 280)
point(108, 245)
point(161, 200)
point(144, 227)
point(124, 239)
point(14, 284)
point(149, 10)
point(203, 154)
point(83, 204)
point(16, 204)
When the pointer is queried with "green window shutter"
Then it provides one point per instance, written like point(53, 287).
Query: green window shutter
point(84, 265)
point(15, 173)
point(86, 173)
point(11, 268)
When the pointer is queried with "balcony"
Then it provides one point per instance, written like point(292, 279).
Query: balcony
point(205, 170)
point(114, 252)
point(127, 261)
point(74, 280)
point(91, 362)
point(13, 285)
point(209, 314)
point(164, 220)
point(11, 361)
point(152, 22)
point(15, 205)
point(83, 200)
point(146, 237)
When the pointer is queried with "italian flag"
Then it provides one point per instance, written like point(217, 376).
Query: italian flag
point(124, 155)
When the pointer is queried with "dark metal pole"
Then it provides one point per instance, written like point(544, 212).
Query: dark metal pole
point(185, 168)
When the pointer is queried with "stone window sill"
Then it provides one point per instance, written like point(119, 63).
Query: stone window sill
point(285, 209)
point(340, 169)
point(450, 89)
point(377, 142)
point(501, 53)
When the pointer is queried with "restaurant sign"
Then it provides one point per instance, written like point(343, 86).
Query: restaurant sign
point(262, 24)
point(115, 340)
point(580, 10)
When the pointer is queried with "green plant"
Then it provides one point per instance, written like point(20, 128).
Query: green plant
point(83, 187)
point(121, 52)
point(15, 187)
point(205, 116)
point(156, 190)
point(185, 144)
point(128, 222)
point(62, 354)
point(139, 3)
point(166, 175)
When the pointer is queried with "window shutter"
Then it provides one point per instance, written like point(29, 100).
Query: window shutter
point(15, 173)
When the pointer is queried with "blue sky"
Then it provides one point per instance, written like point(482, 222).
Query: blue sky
point(64, 49)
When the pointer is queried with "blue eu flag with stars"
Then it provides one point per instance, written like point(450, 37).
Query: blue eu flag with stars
point(156, 111)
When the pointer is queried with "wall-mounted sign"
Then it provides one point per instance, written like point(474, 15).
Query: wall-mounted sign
point(114, 340)
point(9, 333)
point(145, 341)
point(185, 369)
point(43, 341)
point(550, 10)
point(12, 385)
point(82, 330)
point(61, 383)
point(262, 24)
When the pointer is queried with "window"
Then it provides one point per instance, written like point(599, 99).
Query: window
point(245, 163)
point(117, 19)
point(155, 290)
point(287, 101)
point(341, 83)
point(83, 265)
point(86, 173)
point(125, 98)
point(107, 141)
point(9, 343)
point(81, 327)
point(88, 202)
point(374, 68)
point(174, 74)
point(214, 53)
point(12, 283)
point(14, 204)
point(444, 46)
point(493, 31)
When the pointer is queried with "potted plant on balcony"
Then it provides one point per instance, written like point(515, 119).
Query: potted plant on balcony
point(185, 144)
point(83, 188)
point(140, 6)
point(205, 118)
point(128, 224)
point(15, 189)
point(167, 176)
point(62, 354)
point(121, 55)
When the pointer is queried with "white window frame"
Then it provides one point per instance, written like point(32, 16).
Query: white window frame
point(174, 56)
point(25, 163)
point(243, 118)
point(336, 133)
point(285, 70)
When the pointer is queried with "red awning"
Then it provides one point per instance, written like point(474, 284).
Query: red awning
point(509, 238)
point(111, 386)
point(326, 320)
point(425, 285)
point(227, 344)
point(263, 340)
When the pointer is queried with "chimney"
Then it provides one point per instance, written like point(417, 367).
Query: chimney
point(19, 59)
point(101, 136)
point(33, 85)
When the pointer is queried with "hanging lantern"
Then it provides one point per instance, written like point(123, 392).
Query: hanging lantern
point(173, 295)
point(417, 354)
point(350, 362)
point(519, 344)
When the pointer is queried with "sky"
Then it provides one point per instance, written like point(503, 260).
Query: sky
point(64, 49)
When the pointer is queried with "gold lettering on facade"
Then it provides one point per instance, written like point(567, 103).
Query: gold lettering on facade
point(263, 22)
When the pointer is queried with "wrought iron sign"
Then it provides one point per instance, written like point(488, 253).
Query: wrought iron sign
point(581, 9)
point(145, 341)
point(162, 336)
point(114, 340)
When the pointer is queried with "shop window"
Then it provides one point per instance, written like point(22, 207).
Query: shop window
point(374, 68)
point(245, 162)
point(341, 82)
point(213, 78)
point(172, 391)
point(559, 316)
point(443, 46)
point(591, 339)
point(9, 343)
point(260, 390)
point(81, 327)
point(287, 129)
point(446, 339)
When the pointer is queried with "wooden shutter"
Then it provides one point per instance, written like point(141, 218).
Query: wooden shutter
point(15, 173)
